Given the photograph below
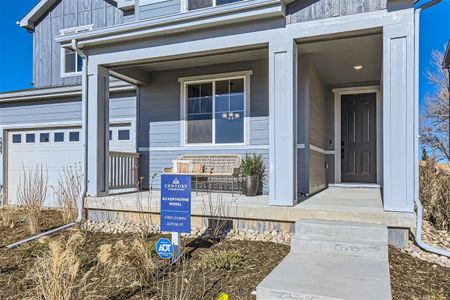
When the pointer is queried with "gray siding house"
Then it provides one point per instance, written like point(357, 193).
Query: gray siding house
point(322, 89)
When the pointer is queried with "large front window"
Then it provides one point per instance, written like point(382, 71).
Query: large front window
point(215, 111)
point(197, 4)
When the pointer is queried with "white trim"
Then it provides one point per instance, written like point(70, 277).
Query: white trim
point(216, 76)
point(209, 147)
point(338, 92)
point(62, 57)
point(185, 81)
point(301, 146)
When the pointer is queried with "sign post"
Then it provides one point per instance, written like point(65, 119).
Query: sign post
point(175, 208)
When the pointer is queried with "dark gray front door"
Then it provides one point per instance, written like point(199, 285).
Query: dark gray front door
point(358, 138)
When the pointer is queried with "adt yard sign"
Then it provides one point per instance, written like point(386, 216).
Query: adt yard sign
point(175, 203)
point(164, 248)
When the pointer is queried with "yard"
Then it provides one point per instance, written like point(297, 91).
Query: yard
point(124, 266)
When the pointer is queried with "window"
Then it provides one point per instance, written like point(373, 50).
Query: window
point(197, 4)
point(59, 136)
point(74, 136)
point(17, 138)
point(124, 135)
point(215, 112)
point(30, 138)
point(44, 137)
point(110, 135)
point(71, 62)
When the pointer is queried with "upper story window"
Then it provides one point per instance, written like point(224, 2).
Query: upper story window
point(197, 4)
point(72, 63)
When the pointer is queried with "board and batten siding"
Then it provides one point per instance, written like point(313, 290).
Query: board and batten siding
point(67, 14)
point(160, 137)
point(158, 8)
point(308, 10)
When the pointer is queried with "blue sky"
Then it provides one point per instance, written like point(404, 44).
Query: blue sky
point(16, 42)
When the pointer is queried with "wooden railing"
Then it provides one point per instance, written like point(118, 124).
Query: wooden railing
point(123, 170)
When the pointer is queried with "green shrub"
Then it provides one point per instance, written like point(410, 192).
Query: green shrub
point(225, 260)
point(253, 165)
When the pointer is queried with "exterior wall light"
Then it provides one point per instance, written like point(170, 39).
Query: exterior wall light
point(358, 67)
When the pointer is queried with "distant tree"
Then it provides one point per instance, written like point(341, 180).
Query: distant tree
point(424, 154)
point(435, 116)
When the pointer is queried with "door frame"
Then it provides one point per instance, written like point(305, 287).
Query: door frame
point(338, 93)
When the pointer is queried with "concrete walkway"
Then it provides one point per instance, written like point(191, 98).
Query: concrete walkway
point(332, 260)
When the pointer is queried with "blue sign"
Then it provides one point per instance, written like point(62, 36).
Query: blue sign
point(175, 203)
point(164, 248)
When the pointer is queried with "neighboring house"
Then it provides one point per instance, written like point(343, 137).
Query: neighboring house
point(323, 90)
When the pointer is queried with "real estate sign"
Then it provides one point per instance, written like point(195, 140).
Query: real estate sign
point(175, 203)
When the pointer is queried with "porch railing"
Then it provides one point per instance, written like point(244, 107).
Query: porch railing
point(123, 170)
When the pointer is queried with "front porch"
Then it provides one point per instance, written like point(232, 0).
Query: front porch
point(334, 203)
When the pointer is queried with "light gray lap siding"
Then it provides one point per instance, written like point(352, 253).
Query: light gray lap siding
point(62, 110)
point(308, 10)
point(159, 9)
point(159, 117)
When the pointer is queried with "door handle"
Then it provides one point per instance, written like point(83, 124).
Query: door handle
point(342, 149)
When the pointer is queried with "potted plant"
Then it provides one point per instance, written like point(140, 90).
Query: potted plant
point(252, 170)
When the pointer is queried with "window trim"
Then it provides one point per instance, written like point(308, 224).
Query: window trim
point(185, 81)
point(71, 30)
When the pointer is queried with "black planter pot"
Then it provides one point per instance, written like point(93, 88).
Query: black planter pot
point(250, 185)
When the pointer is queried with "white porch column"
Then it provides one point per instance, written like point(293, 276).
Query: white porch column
point(98, 132)
point(398, 117)
point(282, 122)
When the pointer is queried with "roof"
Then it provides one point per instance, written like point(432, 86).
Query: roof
point(446, 61)
point(42, 7)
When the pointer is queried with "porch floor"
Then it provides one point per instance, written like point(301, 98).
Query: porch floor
point(334, 203)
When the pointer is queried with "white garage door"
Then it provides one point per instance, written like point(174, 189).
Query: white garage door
point(53, 149)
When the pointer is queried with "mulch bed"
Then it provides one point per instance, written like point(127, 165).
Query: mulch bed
point(413, 278)
point(50, 219)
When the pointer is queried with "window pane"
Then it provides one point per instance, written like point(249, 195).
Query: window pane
point(110, 135)
point(74, 136)
point(199, 115)
point(229, 129)
point(196, 4)
point(199, 128)
point(69, 61)
point(30, 138)
point(17, 138)
point(79, 63)
point(124, 135)
point(59, 136)
point(229, 115)
point(44, 137)
point(220, 2)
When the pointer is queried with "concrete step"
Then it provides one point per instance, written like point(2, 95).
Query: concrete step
point(340, 230)
point(330, 245)
point(325, 277)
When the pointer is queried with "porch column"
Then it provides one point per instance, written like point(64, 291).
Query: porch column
point(398, 117)
point(282, 122)
point(98, 132)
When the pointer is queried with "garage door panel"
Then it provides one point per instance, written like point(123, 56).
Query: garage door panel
point(53, 155)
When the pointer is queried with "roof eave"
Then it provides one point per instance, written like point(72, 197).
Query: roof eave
point(446, 61)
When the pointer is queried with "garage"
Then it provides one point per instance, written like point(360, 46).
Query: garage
point(53, 149)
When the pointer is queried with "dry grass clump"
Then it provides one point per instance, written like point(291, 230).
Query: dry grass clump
point(56, 274)
point(31, 194)
point(435, 194)
point(6, 216)
point(68, 191)
point(177, 284)
point(224, 260)
point(135, 256)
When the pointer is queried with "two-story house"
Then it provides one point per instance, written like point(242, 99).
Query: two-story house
point(322, 89)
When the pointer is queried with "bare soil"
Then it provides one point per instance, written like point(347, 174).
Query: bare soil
point(411, 278)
